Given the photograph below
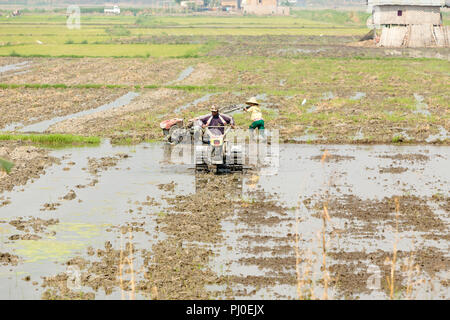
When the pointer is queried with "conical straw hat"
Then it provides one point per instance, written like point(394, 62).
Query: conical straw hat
point(252, 101)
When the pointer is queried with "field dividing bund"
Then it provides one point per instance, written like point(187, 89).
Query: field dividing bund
point(101, 50)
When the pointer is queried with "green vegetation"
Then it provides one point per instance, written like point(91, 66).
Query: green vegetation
point(6, 165)
point(47, 35)
point(62, 86)
point(52, 140)
point(333, 16)
point(118, 31)
point(397, 139)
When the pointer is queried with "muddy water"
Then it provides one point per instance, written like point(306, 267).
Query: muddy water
point(15, 66)
point(358, 96)
point(300, 178)
point(183, 75)
point(83, 224)
point(440, 136)
point(45, 125)
point(351, 170)
point(421, 106)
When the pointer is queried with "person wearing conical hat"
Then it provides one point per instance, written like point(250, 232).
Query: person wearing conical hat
point(252, 106)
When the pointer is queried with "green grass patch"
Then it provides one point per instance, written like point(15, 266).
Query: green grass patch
point(6, 165)
point(125, 141)
point(52, 140)
point(118, 31)
point(397, 139)
point(399, 103)
point(333, 17)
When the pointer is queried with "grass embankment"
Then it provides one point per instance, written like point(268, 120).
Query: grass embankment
point(52, 140)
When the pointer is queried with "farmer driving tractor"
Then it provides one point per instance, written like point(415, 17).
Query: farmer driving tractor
point(252, 106)
point(216, 121)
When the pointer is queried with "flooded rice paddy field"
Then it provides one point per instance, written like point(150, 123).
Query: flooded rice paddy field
point(127, 222)
point(361, 188)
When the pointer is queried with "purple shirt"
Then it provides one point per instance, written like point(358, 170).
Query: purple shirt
point(216, 121)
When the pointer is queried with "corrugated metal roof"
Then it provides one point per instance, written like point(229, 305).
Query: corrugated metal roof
point(439, 3)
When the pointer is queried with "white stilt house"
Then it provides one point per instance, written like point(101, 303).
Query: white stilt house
point(114, 10)
point(410, 23)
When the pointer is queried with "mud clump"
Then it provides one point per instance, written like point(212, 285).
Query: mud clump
point(414, 213)
point(412, 157)
point(36, 224)
point(95, 166)
point(131, 227)
point(70, 195)
point(178, 271)
point(29, 163)
point(4, 202)
point(7, 258)
point(170, 187)
point(24, 237)
point(393, 170)
point(278, 264)
point(50, 206)
point(104, 273)
point(150, 201)
point(332, 158)
point(206, 208)
point(64, 293)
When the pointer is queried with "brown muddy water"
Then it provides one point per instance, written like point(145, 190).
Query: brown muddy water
point(96, 191)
